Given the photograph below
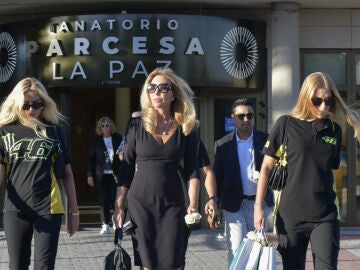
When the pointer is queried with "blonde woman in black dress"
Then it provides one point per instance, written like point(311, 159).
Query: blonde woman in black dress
point(159, 142)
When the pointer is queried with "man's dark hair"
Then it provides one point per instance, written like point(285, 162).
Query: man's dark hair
point(242, 101)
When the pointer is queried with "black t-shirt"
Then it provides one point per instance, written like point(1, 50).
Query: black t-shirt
point(311, 156)
point(31, 184)
point(203, 156)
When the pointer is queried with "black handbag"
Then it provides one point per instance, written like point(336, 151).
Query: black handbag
point(277, 177)
point(59, 165)
point(118, 259)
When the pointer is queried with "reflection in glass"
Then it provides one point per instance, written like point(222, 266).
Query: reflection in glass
point(358, 185)
point(358, 181)
point(332, 63)
point(340, 178)
point(357, 69)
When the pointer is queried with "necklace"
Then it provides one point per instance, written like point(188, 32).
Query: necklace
point(165, 132)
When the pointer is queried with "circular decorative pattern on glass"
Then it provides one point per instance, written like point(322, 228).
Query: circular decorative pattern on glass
point(239, 52)
point(8, 55)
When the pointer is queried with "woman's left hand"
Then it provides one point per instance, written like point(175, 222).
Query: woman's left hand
point(193, 216)
point(191, 209)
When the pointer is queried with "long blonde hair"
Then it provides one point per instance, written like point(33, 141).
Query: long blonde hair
point(182, 107)
point(339, 112)
point(11, 108)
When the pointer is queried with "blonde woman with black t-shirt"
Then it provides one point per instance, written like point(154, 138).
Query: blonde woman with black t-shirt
point(308, 210)
point(33, 203)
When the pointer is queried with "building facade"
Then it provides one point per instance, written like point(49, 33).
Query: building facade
point(93, 57)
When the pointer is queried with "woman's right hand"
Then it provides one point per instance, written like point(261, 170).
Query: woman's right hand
point(90, 181)
point(120, 204)
point(259, 217)
point(119, 216)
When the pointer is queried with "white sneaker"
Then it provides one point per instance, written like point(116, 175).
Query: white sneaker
point(105, 229)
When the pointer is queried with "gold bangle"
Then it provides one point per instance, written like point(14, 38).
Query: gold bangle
point(258, 203)
point(75, 214)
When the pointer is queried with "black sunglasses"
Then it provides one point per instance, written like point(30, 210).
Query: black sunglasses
point(106, 125)
point(35, 106)
point(241, 116)
point(163, 87)
point(317, 101)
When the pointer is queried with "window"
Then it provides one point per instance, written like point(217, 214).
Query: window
point(333, 63)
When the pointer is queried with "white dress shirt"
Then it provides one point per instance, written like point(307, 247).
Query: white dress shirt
point(245, 150)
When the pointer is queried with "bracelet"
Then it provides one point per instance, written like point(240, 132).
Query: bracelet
point(258, 203)
point(75, 214)
point(215, 198)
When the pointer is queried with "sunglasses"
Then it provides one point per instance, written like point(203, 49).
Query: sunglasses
point(330, 101)
point(106, 125)
point(35, 106)
point(163, 87)
point(241, 116)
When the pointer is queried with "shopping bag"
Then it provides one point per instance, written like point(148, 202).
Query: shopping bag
point(267, 260)
point(253, 260)
point(118, 259)
point(254, 253)
point(242, 254)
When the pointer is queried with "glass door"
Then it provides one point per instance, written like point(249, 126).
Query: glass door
point(356, 191)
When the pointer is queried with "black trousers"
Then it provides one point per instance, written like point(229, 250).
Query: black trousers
point(294, 237)
point(107, 194)
point(19, 230)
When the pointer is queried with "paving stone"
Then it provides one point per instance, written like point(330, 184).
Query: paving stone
point(87, 250)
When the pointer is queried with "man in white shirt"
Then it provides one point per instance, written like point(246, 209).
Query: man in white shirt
point(238, 158)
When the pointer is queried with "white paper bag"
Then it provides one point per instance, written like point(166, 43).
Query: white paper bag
point(267, 260)
point(254, 257)
point(242, 255)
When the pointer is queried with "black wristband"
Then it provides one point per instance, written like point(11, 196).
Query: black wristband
point(215, 198)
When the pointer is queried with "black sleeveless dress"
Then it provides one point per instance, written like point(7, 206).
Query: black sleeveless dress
point(156, 201)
